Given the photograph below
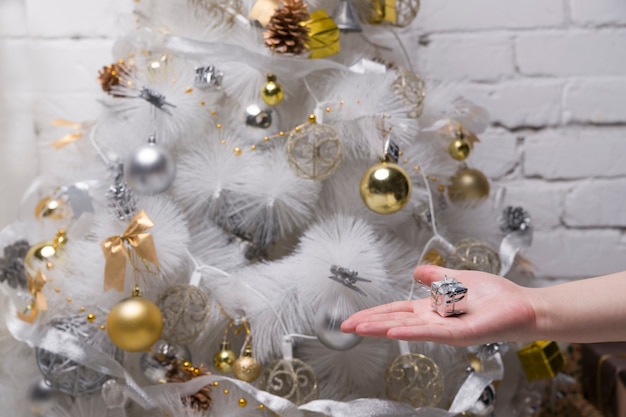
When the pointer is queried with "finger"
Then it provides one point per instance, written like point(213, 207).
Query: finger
point(381, 327)
point(399, 306)
point(443, 334)
point(427, 274)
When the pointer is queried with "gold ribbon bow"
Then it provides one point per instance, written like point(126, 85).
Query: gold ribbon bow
point(39, 303)
point(80, 129)
point(117, 249)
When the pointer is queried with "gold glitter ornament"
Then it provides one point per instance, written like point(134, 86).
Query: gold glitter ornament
point(290, 379)
point(476, 256)
point(385, 188)
point(185, 310)
point(314, 151)
point(272, 92)
point(415, 379)
point(468, 185)
point(246, 368)
point(224, 359)
point(134, 324)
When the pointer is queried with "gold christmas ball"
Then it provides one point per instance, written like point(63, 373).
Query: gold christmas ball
point(385, 188)
point(224, 359)
point(468, 185)
point(433, 257)
point(272, 92)
point(42, 251)
point(53, 208)
point(460, 149)
point(134, 324)
point(246, 368)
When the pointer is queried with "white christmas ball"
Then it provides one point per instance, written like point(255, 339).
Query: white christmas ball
point(150, 169)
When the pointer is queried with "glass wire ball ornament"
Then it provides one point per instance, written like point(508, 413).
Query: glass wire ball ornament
point(291, 379)
point(65, 375)
point(412, 89)
point(162, 359)
point(415, 379)
point(314, 150)
point(473, 255)
point(185, 309)
point(150, 169)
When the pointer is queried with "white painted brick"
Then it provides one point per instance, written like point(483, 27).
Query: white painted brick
point(464, 57)
point(596, 100)
point(515, 104)
point(575, 153)
point(496, 154)
point(72, 18)
point(12, 18)
point(446, 15)
point(18, 152)
point(543, 201)
point(577, 253)
point(70, 65)
point(595, 203)
point(572, 53)
point(16, 76)
point(598, 12)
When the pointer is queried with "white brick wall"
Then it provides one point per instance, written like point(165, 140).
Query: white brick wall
point(552, 73)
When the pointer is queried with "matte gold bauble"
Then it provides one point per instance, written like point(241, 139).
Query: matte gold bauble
point(224, 359)
point(385, 188)
point(246, 368)
point(468, 185)
point(272, 92)
point(134, 324)
point(459, 149)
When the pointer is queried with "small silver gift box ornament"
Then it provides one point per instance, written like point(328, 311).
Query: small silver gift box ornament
point(448, 297)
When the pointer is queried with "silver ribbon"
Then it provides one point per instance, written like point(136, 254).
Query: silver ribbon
point(286, 68)
point(511, 245)
point(490, 356)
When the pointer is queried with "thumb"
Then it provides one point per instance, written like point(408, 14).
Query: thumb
point(427, 274)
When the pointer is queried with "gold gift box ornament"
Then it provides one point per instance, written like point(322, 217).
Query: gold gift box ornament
point(541, 359)
point(323, 35)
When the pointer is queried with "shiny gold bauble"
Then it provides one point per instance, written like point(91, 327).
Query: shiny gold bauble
point(272, 92)
point(134, 324)
point(385, 188)
point(468, 185)
point(224, 359)
point(246, 368)
point(42, 251)
point(52, 208)
point(460, 149)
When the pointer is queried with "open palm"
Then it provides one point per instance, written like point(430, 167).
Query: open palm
point(497, 310)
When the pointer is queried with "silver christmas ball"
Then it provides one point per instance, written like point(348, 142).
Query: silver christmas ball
point(485, 404)
point(328, 330)
point(261, 120)
point(150, 169)
point(63, 374)
point(41, 398)
point(162, 358)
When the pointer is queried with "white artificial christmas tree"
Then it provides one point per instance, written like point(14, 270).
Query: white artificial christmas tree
point(260, 171)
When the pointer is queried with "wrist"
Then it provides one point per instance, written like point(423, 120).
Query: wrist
point(542, 324)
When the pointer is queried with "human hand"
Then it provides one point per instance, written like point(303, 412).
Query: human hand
point(497, 310)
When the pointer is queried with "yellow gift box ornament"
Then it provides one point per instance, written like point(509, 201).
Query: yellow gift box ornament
point(541, 359)
point(323, 35)
point(396, 12)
